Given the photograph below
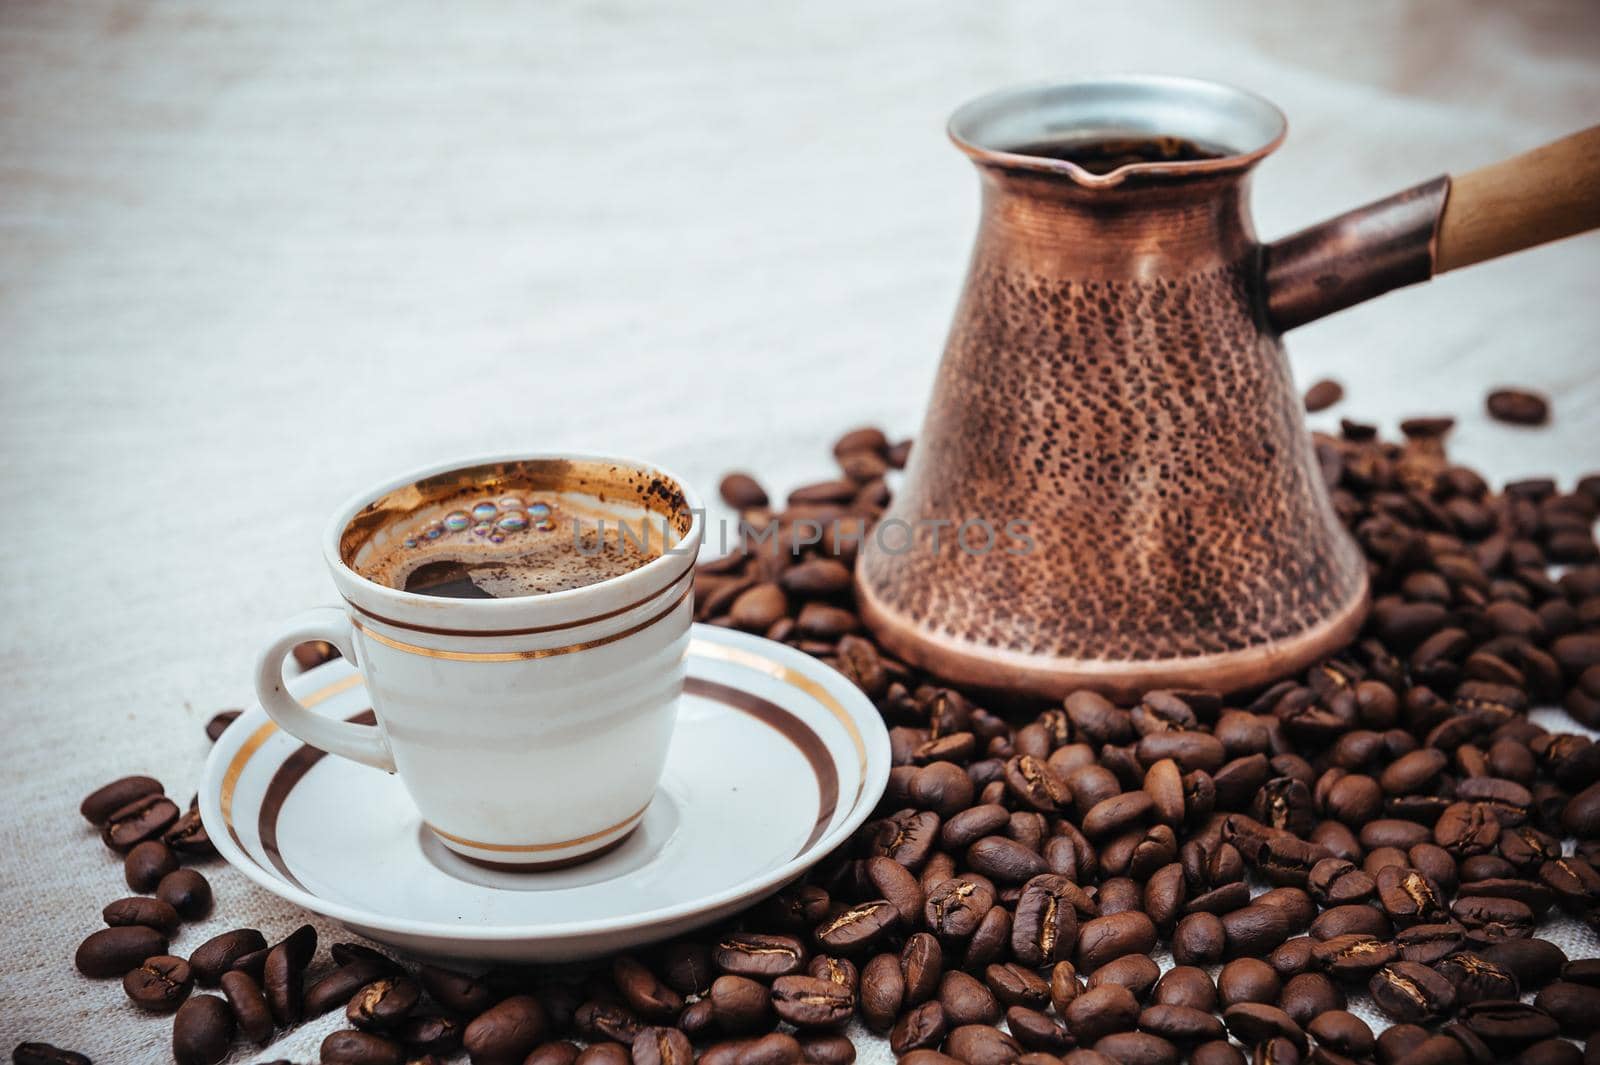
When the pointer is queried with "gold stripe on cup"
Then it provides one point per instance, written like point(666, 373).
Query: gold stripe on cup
point(230, 779)
point(539, 848)
point(519, 656)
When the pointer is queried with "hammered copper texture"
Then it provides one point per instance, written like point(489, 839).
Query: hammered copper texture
point(1147, 429)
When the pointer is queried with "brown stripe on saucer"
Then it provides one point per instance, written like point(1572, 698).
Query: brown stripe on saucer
point(792, 729)
point(294, 767)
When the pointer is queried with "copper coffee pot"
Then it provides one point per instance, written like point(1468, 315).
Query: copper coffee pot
point(1115, 381)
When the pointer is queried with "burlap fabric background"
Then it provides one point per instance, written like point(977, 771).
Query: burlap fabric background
point(254, 257)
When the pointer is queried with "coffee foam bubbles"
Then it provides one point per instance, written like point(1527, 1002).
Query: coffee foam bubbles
point(512, 543)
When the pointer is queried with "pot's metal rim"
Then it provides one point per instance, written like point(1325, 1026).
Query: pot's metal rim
point(1249, 127)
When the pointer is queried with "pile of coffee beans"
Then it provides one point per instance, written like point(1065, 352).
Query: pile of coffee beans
point(1389, 827)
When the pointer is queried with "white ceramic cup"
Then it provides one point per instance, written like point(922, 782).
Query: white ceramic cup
point(529, 731)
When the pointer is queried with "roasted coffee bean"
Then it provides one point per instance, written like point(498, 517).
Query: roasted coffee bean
point(826, 1049)
point(283, 979)
point(741, 1006)
point(1322, 395)
point(185, 891)
point(1533, 962)
point(605, 1053)
point(1493, 918)
point(46, 1054)
point(1506, 1023)
point(115, 951)
point(1354, 919)
point(840, 971)
point(1255, 929)
point(1576, 1007)
point(601, 1018)
point(1517, 406)
point(1408, 897)
point(1343, 1033)
point(1183, 985)
point(742, 491)
point(1397, 1041)
point(98, 806)
point(1136, 972)
point(1305, 995)
point(1199, 939)
point(1034, 784)
point(643, 992)
point(1412, 993)
point(139, 820)
point(1292, 956)
point(1045, 929)
point(882, 992)
point(139, 910)
point(1550, 1052)
point(361, 1048)
point(187, 835)
point(1004, 861)
point(1253, 1023)
point(921, 965)
point(1105, 939)
point(1216, 1052)
point(1334, 881)
point(895, 883)
point(202, 1031)
point(761, 956)
point(384, 1004)
point(807, 1002)
point(972, 824)
point(979, 1044)
point(438, 1034)
point(687, 966)
point(1037, 1031)
point(1248, 980)
point(1353, 957)
point(455, 991)
point(334, 989)
point(160, 984)
point(665, 1046)
point(249, 1006)
point(146, 864)
point(955, 907)
point(1015, 985)
point(859, 927)
point(1181, 1024)
point(216, 955)
point(966, 1000)
point(1097, 1013)
point(506, 1031)
point(919, 1028)
point(1427, 943)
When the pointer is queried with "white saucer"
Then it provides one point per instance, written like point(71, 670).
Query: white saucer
point(775, 761)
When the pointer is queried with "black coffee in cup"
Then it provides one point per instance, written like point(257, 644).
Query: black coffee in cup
point(507, 537)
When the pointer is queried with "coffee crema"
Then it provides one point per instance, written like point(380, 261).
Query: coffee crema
point(1103, 155)
point(508, 535)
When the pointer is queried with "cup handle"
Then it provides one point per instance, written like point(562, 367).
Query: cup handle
point(359, 743)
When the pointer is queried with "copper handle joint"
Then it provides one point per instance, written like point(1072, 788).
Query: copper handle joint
point(1385, 245)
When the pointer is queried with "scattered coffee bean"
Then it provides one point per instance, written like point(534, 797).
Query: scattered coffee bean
point(202, 1031)
point(186, 891)
point(1518, 406)
point(46, 1054)
point(361, 1048)
point(117, 950)
point(1323, 394)
point(146, 864)
point(159, 984)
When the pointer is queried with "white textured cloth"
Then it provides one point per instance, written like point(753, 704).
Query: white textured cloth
point(255, 257)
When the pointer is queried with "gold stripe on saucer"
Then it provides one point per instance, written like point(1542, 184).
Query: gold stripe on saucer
point(536, 848)
point(230, 779)
point(519, 656)
point(779, 671)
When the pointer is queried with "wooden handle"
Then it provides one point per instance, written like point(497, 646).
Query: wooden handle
point(1536, 197)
